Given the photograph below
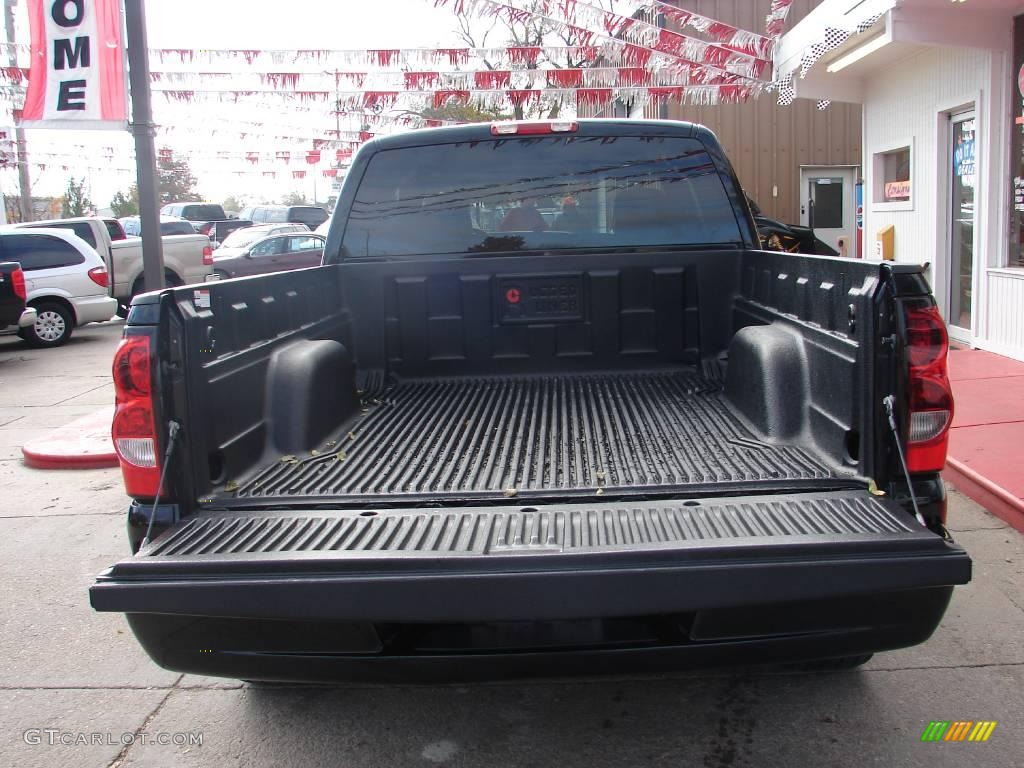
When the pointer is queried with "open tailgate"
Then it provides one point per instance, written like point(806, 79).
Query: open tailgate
point(525, 563)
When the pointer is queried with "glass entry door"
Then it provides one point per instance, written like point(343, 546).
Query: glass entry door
point(961, 236)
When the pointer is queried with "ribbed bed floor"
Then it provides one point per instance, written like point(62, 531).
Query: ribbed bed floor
point(497, 437)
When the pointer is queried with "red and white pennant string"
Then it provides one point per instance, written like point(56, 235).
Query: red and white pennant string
point(775, 22)
point(590, 24)
point(490, 99)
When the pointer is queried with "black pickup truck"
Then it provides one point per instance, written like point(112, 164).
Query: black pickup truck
point(13, 312)
point(478, 442)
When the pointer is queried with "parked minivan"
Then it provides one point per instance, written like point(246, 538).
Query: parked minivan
point(310, 215)
point(66, 282)
point(195, 211)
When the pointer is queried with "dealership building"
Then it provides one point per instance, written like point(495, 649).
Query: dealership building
point(941, 85)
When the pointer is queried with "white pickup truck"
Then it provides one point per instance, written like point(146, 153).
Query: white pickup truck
point(187, 258)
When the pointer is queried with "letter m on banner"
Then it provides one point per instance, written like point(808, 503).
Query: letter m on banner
point(77, 77)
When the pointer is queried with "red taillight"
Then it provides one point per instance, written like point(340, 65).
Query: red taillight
point(18, 284)
point(931, 396)
point(207, 256)
point(533, 129)
point(927, 341)
point(131, 369)
point(134, 427)
point(206, 228)
point(99, 276)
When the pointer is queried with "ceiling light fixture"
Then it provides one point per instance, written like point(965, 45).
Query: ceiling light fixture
point(858, 53)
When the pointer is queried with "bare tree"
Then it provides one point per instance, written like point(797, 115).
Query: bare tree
point(532, 32)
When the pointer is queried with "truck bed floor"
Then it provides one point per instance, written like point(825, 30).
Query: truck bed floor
point(498, 437)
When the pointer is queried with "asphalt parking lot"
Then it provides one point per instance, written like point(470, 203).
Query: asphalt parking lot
point(67, 673)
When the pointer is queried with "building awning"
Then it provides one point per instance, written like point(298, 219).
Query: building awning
point(828, 55)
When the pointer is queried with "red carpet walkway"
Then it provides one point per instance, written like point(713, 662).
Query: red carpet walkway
point(986, 450)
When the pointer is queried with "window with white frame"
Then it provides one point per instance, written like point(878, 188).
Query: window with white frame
point(891, 175)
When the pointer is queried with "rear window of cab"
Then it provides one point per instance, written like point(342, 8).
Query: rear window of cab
point(545, 192)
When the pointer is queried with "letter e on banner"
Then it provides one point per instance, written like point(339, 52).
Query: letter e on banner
point(77, 77)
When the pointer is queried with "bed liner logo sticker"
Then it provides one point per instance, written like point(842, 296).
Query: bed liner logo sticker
point(958, 730)
point(201, 298)
point(539, 298)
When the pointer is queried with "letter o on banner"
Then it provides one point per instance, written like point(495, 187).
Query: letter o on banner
point(59, 12)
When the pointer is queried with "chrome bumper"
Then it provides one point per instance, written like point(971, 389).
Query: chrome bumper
point(28, 317)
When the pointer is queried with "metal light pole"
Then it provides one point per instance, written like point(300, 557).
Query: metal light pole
point(20, 147)
point(145, 152)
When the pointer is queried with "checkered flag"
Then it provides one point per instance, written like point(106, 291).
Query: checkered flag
point(786, 91)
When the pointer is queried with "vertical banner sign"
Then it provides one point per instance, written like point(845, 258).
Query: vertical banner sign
point(77, 77)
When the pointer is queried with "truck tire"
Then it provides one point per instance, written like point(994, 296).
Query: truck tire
point(171, 280)
point(53, 326)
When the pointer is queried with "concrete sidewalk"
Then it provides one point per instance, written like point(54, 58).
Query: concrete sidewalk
point(987, 440)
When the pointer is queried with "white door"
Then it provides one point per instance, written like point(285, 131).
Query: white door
point(828, 203)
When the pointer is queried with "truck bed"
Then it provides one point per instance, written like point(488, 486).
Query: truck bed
point(456, 452)
point(498, 437)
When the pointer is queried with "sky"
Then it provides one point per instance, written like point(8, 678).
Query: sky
point(254, 24)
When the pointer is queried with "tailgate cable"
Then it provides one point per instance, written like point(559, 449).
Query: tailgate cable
point(172, 433)
point(890, 411)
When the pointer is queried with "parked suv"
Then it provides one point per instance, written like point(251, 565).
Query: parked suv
point(195, 211)
point(66, 282)
point(169, 225)
point(207, 219)
point(310, 215)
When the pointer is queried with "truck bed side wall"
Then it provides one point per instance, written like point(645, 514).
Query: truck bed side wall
point(222, 340)
point(796, 368)
point(802, 360)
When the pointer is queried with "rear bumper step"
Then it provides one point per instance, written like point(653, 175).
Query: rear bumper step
point(514, 564)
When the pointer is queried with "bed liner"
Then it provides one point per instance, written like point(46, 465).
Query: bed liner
point(517, 436)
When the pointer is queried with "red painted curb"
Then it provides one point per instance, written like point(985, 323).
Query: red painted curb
point(994, 498)
point(40, 461)
point(83, 444)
